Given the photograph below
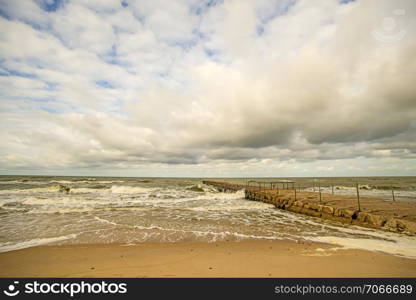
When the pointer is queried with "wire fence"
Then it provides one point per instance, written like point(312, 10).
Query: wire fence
point(393, 189)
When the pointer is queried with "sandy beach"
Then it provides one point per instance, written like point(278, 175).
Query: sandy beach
point(223, 259)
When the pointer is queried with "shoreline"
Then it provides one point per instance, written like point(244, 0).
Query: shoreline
point(196, 259)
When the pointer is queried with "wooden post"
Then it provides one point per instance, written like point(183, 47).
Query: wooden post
point(332, 187)
point(358, 197)
point(392, 193)
point(319, 187)
point(314, 185)
point(295, 194)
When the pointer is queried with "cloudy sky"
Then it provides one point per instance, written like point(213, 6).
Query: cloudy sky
point(208, 88)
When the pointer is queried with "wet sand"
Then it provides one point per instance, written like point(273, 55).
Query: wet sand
point(223, 259)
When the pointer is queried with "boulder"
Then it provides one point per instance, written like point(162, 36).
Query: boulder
point(348, 213)
point(295, 209)
point(64, 188)
point(313, 206)
point(362, 217)
point(329, 210)
point(310, 212)
point(298, 203)
point(376, 220)
point(406, 226)
point(290, 203)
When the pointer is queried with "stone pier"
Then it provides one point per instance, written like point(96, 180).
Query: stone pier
point(374, 213)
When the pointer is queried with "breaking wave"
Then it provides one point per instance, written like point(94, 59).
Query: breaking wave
point(9, 246)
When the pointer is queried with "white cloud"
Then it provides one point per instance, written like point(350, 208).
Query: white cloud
point(241, 85)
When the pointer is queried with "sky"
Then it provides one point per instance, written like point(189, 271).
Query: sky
point(208, 88)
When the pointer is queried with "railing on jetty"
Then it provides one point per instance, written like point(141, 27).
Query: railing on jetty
point(284, 195)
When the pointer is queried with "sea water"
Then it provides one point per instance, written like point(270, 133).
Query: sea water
point(37, 210)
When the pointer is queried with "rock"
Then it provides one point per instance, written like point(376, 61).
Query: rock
point(283, 203)
point(409, 226)
point(290, 203)
point(395, 225)
point(391, 224)
point(362, 217)
point(64, 188)
point(313, 206)
point(327, 210)
point(310, 212)
point(337, 212)
point(295, 209)
point(299, 203)
point(348, 213)
point(375, 220)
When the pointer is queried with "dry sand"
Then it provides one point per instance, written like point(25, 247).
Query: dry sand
point(224, 259)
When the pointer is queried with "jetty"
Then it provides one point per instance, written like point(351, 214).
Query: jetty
point(392, 216)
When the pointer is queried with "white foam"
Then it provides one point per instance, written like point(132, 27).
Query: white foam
point(123, 189)
point(109, 181)
point(115, 189)
point(85, 190)
point(48, 189)
point(104, 221)
point(215, 236)
point(401, 247)
point(10, 182)
point(23, 182)
point(32, 243)
point(61, 181)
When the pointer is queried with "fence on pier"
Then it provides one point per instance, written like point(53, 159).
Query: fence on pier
point(399, 217)
point(325, 188)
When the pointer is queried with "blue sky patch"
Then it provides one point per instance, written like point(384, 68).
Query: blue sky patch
point(7, 72)
point(202, 8)
point(104, 84)
point(50, 5)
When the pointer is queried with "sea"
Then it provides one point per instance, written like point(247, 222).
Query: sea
point(48, 210)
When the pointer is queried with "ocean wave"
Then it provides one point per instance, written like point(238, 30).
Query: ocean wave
point(10, 246)
point(385, 187)
point(400, 247)
point(115, 189)
point(10, 182)
point(25, 181)
point(61, 181)
point(125, 189)
point(208, 235)
point(361, 187)
point(47, 189)
point(84, 190)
